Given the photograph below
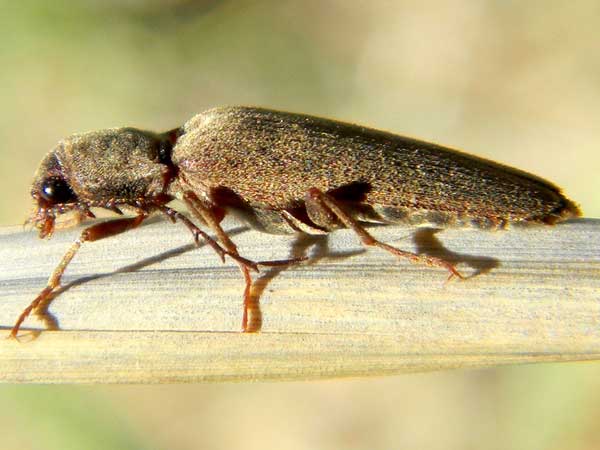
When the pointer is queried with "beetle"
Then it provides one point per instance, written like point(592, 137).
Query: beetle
point(280, 173)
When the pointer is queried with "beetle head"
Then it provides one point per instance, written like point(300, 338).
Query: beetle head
point(52, 194)
point(107, 168)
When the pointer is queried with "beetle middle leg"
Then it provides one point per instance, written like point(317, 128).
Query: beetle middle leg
point(212, 216)
point(197, 232)
point(325, 210)
point(206, 215)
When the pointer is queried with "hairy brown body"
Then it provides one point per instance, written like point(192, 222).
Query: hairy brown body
point(281, 173)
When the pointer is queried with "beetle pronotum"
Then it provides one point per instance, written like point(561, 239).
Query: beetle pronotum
point(281, 173)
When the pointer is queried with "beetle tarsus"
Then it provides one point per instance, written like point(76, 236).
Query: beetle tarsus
point(42, 296)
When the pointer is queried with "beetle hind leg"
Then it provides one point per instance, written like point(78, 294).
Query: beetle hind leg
point(325, 210)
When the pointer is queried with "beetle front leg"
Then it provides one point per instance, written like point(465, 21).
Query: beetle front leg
point(90, 234)
point(326, 211)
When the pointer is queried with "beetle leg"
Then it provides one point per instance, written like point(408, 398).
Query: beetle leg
point(325, 210)
point(197, 233)
point(206, 215)
point(90, 234)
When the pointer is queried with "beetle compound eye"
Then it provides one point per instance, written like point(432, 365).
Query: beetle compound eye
point(56, 190)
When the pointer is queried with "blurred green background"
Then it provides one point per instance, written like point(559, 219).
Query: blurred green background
point(518, 82)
